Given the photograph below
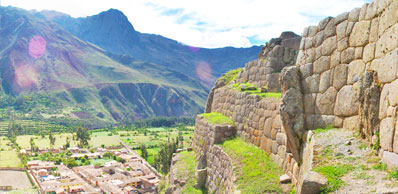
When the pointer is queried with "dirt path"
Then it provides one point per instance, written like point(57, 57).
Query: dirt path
point(342, 151)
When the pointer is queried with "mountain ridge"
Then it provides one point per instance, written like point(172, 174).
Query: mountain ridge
point(153, 48)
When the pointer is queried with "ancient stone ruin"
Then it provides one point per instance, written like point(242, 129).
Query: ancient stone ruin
point(342, 74)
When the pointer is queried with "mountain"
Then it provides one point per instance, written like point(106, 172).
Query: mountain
point(39, 57)
point(112, 31)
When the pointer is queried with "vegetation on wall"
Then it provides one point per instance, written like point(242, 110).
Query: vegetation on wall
point(217, 118)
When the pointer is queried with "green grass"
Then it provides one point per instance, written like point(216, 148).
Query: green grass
point(257, 91)
point(322, 130)
point(333, 173)
point(230, 76)
point(99, 161)
point(10, 159)
point(99, 138)
point(186, 166)
point(256, 172)
point(393, 174)
point(380, 166)
point(217, 118)
point(44, 143)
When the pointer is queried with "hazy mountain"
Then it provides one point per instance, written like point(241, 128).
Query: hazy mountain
point(40, 57)
point(112, 31)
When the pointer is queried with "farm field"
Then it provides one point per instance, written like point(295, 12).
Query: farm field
point(44, 143)
point(8, 157)
point(154, 137)
point(18, 180)
point(99, 138)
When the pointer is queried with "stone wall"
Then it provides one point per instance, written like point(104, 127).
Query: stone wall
point(275, 55)
point(220, 171)
point(258, 122)
point(214, 168)
point(335, 62)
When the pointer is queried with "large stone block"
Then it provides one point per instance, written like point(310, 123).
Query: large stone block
point(341, 30)
point(371, 11)
point(322, 64)
point(374, 30)
point(306, 70)
point(384, 101)
point(311, 84)
point(355, 70)
point(354, 15)
point(324, 82)
point(387, 42)
point(335, 59)
point(360, 34)
point(389, 17)
point(369, 52)
point(352, 123)
point(387, 127)
point(393, 93)
point(325, 102)
point(395, 139)
point(347, 55)
point(390, 158)
point(387, 67)
point(340, 76)
point(342, 44)
point(347, 102)
point(329, 45)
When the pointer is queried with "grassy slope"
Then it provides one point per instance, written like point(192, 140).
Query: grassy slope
point(256, 171)
point(186, 166)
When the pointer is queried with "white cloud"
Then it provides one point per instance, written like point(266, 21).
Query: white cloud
point(207, 23)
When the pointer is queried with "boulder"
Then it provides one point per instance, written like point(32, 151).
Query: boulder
point(284, 178)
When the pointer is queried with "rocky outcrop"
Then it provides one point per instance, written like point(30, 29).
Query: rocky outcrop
point(275, 55)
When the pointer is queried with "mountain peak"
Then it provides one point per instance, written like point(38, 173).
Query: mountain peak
point(114, 17)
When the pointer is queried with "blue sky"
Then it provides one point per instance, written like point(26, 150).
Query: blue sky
point(207, 23)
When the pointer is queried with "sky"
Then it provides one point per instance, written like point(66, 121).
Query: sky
point(206, 23)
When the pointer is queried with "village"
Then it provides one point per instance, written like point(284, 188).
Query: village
point(131, 176)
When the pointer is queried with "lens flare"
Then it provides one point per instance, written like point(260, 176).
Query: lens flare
point(204, 72)
point(26, 76)
point(37, 46)
point(194, 49)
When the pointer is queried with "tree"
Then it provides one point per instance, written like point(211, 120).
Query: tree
point(163, 158)
point(67, 143)
point(51, 138)
point(32, 144)
point(82, 136)
point(144, 151)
